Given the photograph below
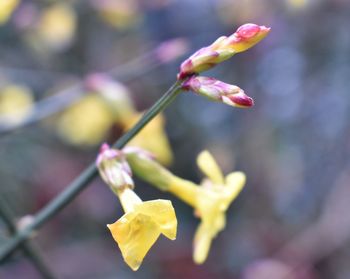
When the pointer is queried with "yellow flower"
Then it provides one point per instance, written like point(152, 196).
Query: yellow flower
point(153, 138)
point(6, 9)
point(16, 103)
point(210, 200)
point(211, 204)
point(139, 228)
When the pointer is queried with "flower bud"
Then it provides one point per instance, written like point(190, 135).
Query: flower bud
point(246, 37)
point(222, 49)
point(219, 91)
point(114, 169)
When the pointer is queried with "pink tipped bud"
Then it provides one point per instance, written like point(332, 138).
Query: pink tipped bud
point(113, 168)
point(219, 91)
point(246, 37)
point(240, 100)
point(222, 49)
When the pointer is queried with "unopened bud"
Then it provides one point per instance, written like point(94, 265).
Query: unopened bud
point(246, 37)
point(114, 169)
point(219, 91)
point(222, 49)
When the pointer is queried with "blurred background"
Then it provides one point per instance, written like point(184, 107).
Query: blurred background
point(291, 220)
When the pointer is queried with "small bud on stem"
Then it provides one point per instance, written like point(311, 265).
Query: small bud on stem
point(114, 169)
point(219, 91)
point(222, 49)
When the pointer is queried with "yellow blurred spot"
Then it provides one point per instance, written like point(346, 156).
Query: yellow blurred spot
point(297, 4)
point(6, 9)
point(57, 26)
point(120, 14)
point(153, 138)
point(16, 103)
point(86, 122)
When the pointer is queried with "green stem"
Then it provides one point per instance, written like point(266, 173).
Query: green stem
point(81, 182)
point(27, 247)
point(156, 175)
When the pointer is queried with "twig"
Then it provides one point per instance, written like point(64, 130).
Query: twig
point(26, 246)
point(82, 181)
point(69, 96)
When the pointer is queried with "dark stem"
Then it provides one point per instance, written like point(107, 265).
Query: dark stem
point(82, 181)
point(73, 94)
point(28, 249)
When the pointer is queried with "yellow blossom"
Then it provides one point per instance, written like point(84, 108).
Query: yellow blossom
point(211, 204)
point(115, 94)
point(6, 9)
point(16, 102)
point(139, 228)
point(153, 138)
point(210, 200)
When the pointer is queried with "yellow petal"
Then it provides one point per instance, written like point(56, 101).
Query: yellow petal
point(235, 182)
point(201, 244)
point(209, 167)
point(135, 235)
point(163, 214)
point(86, 122)
point(153, 138)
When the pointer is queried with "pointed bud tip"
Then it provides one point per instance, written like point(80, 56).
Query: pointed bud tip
point(240, 100)
point(104, 147)
point(250, 30)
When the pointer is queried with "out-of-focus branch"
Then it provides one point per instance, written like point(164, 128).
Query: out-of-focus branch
point(26, 246)
point(165, 53)
point(81, 182)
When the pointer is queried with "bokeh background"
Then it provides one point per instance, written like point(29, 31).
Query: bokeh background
point(291, 220)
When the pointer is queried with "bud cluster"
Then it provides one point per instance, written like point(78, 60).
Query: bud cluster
point(222, 49)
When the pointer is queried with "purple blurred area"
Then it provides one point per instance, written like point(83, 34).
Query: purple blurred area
point(290, 222)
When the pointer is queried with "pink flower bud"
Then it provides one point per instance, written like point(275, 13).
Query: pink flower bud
point(113, 168)
point(246, 37)
point(222, 49)
point(219, 91)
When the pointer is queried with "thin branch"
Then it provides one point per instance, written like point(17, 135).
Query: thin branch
point(71, 95)
point(26, 246)
point(83, 180)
